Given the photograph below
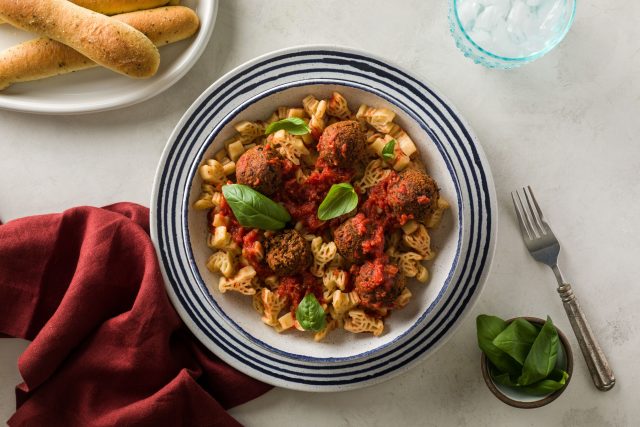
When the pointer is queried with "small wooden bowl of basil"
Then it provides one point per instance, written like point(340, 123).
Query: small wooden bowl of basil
point(518, 399)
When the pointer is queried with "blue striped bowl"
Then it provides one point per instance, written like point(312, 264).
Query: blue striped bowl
point(227, 324)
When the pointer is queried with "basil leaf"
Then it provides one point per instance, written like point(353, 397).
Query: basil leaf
point(554, 382)
point(489, 327)
point(516, 340)
point(388, 151)
point(340, 199)
point(310, 314)
point(293, 125)
point(541, 360)
point(253, 209)
point(548, 385)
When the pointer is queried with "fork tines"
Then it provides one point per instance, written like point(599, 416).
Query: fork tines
point(532, 222)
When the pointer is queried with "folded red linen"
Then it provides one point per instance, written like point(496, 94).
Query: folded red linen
point(108, 348)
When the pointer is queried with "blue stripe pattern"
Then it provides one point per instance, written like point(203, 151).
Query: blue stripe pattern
point(326, 66)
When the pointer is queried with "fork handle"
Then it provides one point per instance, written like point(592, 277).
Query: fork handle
point(599, 368)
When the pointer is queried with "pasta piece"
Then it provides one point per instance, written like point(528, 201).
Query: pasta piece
point(338, 107)
point(289, 146)
point(256, 301)
point(282, 112)
point(380, 118)
point(221, 262)
point(301, 176)
point(216, 198)
point(410, 226)
point(358, 321)
point(376, 147)
point(229, 168)
point(344, 301)
point(435, 218)
point(235, 150)
point(220, 154)
point(204, 202)
point(220, 220)
point(296, 112)
point(333, 279)
point(250, 130)
point(286, 321)
point(242, 282)
point(220, 238)
point(317, 122)
point(310, 104)
point(323, 253)
point(372, 135)
point(374, 173)
point(408, 263)
point(337, 262)
point(272, 282)
point(330, 326)
point(423, 274)
point(403, 298)
point(212, 172)
point(405, 143)
point(273, 305)
point(420, 241)
point(401, 162)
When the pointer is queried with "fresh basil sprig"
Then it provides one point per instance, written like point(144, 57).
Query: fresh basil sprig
point(340, 199)
point(388, 151)
point(310, 314)
point(522, 355)
point(253, 209)
point(293, 125)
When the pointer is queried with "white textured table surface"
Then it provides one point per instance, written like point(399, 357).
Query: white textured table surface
point(568, 124)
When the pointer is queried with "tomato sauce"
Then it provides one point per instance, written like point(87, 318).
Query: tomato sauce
point(296, 287)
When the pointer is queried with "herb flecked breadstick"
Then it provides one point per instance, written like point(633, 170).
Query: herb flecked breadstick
point(113, 7)
point(110, 43)
point(41, 58)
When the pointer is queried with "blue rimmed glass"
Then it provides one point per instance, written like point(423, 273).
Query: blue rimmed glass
point(481, 55)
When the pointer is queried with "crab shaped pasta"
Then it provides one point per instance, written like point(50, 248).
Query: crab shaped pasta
point(338, 107)
point(242, 282)
point(272, 305)
point(358, 321)
point(420, 241)
point(323, 253)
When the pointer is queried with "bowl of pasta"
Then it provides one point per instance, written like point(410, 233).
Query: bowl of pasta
point(324, 220)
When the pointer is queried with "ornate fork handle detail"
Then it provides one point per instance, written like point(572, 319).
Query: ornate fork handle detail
point(597, 363)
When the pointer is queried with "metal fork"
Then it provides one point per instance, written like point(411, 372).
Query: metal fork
point(544, 247)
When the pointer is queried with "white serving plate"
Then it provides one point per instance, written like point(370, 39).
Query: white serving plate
point(227, 324)
point(99, 89)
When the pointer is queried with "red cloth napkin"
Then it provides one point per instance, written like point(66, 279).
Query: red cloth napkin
point(108, 348)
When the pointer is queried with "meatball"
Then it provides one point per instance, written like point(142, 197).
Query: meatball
point(379, 284)
point(342, 145)
point(288, 253)
point(260, 168)
point(414, 193)
point(357, 237)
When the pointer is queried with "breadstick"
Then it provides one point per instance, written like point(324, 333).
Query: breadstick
point(110, 43)
point(41, 58)
point(112, 7)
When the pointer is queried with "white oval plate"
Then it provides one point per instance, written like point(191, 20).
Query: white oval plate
point(99, 89)
point(227, 324)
